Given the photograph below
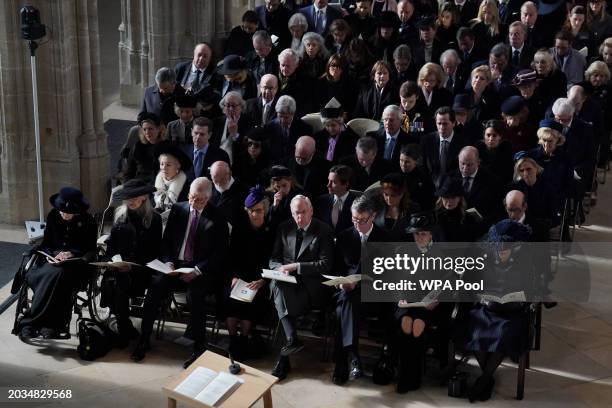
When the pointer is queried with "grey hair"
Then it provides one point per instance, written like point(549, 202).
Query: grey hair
point(145, 211)
point(450, 53)
point(500, 50)
point(367, 144)
point(288, 52)
point(298, 19)
point(362, 204)
point(165, 75)
point(563, 106)
point(393, 109)
point(230, 94)
point(263, 36)
point(519, 24)
point(311, 36)
point(202, 180)
point(300, 197)
point(285, 104)
point(402, 51)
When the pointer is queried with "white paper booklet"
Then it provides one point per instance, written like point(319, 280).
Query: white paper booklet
point(115, 262)
point(277, 275)
point(159, 266)
point(208, 386)
point(338, 280)
point(242, 293)
point(507, 298)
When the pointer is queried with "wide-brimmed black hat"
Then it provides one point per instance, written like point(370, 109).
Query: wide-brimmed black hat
point(450, 187)
point(133, 188)
point(513, 105)
point(69, 200)
point(507, 234)
point(388, 19)
point(423, 221)
point(186, 101)
point(462, 102)
point(278, 172)
point(176, 152)
point(232, 64)
point(148, 117)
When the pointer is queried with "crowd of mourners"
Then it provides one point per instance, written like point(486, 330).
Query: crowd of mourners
point(484, 121)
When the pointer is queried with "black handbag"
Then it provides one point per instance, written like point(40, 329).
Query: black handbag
point(457, 385)
point(95, 339)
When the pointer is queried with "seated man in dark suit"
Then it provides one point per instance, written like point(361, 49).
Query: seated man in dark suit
point(367, 165)
point(262, 60)
point(334, 208)
point(202, 153)
point(320, 16)
point(284, 131)
point(391, 138)
point(441, 149)
point(196, 236)
point(349, 307)
point(159, 98)
point(309, 170)
point(481, 188)
point(469, 50)
point(502, 71)
point(521, 53)
point(456, 77)
point(199, 73)
point(304, 249)
point(274, 18)
point(295, 84)
point(261, 110)
point(227, 194)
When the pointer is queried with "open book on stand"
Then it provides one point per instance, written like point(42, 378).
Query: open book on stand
point(208, 386)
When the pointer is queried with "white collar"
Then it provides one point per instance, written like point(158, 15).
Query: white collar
point(522, 220)
point(393, 136)
point(473, 175)
point(323, 10)
point(198, 211)
point(342, 197)
point(367, 234)
point(194, 69)
point(305, 228)
point(448, 139)
point(518, 49)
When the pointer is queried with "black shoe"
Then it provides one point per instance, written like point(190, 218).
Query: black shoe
point(193, 357)
point(28, 332)
point(140, 350)
point(487, 391)
point(282, 368)
point(356, 370)
point(482, 388)
point(293, 346)
point(341, 369)
point(48, 333)
point(384, 371)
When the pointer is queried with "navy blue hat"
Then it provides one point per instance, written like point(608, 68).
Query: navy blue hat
point(450, 187)
point(462, 102)
point(278, 172)
point(552, 124)
point(232, 64)
point(426, 22)
point(513, 105)
point(69, 200)
point(256, 195)
point(508, 231)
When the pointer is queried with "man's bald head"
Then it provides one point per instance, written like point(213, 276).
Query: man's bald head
point(469, 160)
point(576, 96)
point(200, 191)
point(268, 86)
point(304, 150)
point(515, 204)
point(220, 173)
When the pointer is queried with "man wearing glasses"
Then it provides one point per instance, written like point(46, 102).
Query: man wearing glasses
point(350, 243)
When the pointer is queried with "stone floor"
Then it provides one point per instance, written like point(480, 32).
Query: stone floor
point(573, 368)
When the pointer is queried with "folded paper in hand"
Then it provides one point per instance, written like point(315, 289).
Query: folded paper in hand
point(115, 262)
point(51, 259)
point(208, 386)
point(278, 275)
point(159, 266)
point(507, 298)
point(339, 280)
point(242, 293)
point(430, 298)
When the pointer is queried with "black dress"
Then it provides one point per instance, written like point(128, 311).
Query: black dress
point(254, 247)
point(53, 285)
point(498, 161)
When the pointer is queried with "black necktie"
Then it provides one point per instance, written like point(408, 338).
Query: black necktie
point(196, 81)
point(516, 58)
point(299, 237)
point(443, 155)
point(466, 184)
point(188, 138)
point(450, 84)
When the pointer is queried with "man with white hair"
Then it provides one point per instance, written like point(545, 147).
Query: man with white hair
point(303, 249)
point(262, 60)
point(293, 83)
point(196, 237)
point(159, 98)
point(391, 137)
point(455, 78)
point(285, 129)
point(586, 108)
point(309, 170)
point(228, 194)
point(229, 131)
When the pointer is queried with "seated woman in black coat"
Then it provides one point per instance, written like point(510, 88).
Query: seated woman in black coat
point(553, 82)
point(314, 55)
point(360, 61)
point(396, 207)
point(171, 182)
point(335, 140)
point(495, 330)
point(418, 181)
point(382, 92)
point(252, 240)
point(386, 38)
point(434, 95)
point(135, 237)
point(142, 162)
point(69, 243)
point(495, 151)
point(337, 83)
point(540, 197)
point(284, 187)
point(456, 225)
point(252, 162)
point(485, 100)
point(340, 35)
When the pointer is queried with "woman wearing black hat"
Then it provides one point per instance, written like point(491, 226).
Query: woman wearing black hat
point(70, 242)
point(251, 163)
point(253, 240)
point(386, 38)
point(494, 330)
point(142, 162)
point(136, 236)
point(284, 187)
point(335, 140)
point(418, 181)
point(396, 207)
point(455, 223)
point(171, 181)
point(495, 151)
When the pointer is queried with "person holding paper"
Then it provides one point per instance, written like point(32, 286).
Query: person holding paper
point(349, 307)
point(251, 244)
point(70, 234)
point(494, 330)
point(196, 236)
point(304, 249)
point(136, 237)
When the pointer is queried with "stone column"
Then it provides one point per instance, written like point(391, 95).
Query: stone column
point(157, 33)
point(73, 141)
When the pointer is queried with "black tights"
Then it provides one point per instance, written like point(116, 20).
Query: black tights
point(489, 362)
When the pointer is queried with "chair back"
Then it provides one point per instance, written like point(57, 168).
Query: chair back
point(361, 126)
point(314, 120)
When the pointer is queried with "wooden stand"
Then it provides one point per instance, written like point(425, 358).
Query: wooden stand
point(257, 384)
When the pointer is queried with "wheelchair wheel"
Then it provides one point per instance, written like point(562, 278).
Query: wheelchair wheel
point(96, 310)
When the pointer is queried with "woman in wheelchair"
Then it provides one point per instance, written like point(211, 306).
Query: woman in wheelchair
point(136, 236)
point(498, 330)
point(69, 243)
point(253, 240)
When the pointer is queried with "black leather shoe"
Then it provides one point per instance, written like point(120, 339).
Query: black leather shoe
point(282, 368)
point(341, 371)
point(487, 391)
point(293, 346)
point(193, 357)
point(384, 371)
point(140, 350)
point(356, 370)
point(28, 332)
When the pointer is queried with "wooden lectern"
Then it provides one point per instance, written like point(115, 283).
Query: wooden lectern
point(257, 384)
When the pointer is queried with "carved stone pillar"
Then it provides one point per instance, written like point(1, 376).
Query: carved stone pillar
point(73, 141)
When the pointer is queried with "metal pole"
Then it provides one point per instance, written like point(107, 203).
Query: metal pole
point(41, 214)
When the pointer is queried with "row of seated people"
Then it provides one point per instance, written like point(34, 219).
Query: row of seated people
point(197, 235)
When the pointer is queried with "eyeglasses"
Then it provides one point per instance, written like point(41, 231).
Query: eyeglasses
point(361, 221)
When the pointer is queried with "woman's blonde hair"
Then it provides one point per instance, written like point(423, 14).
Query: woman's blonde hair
point(482, 69)
point(492, 6)
point(145, 211)
point(428, 69)
point(546, 133)
point(597, 67)
point(516, 176)
point(161, 136)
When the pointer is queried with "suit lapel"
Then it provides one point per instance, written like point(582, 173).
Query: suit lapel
point(308, 238)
